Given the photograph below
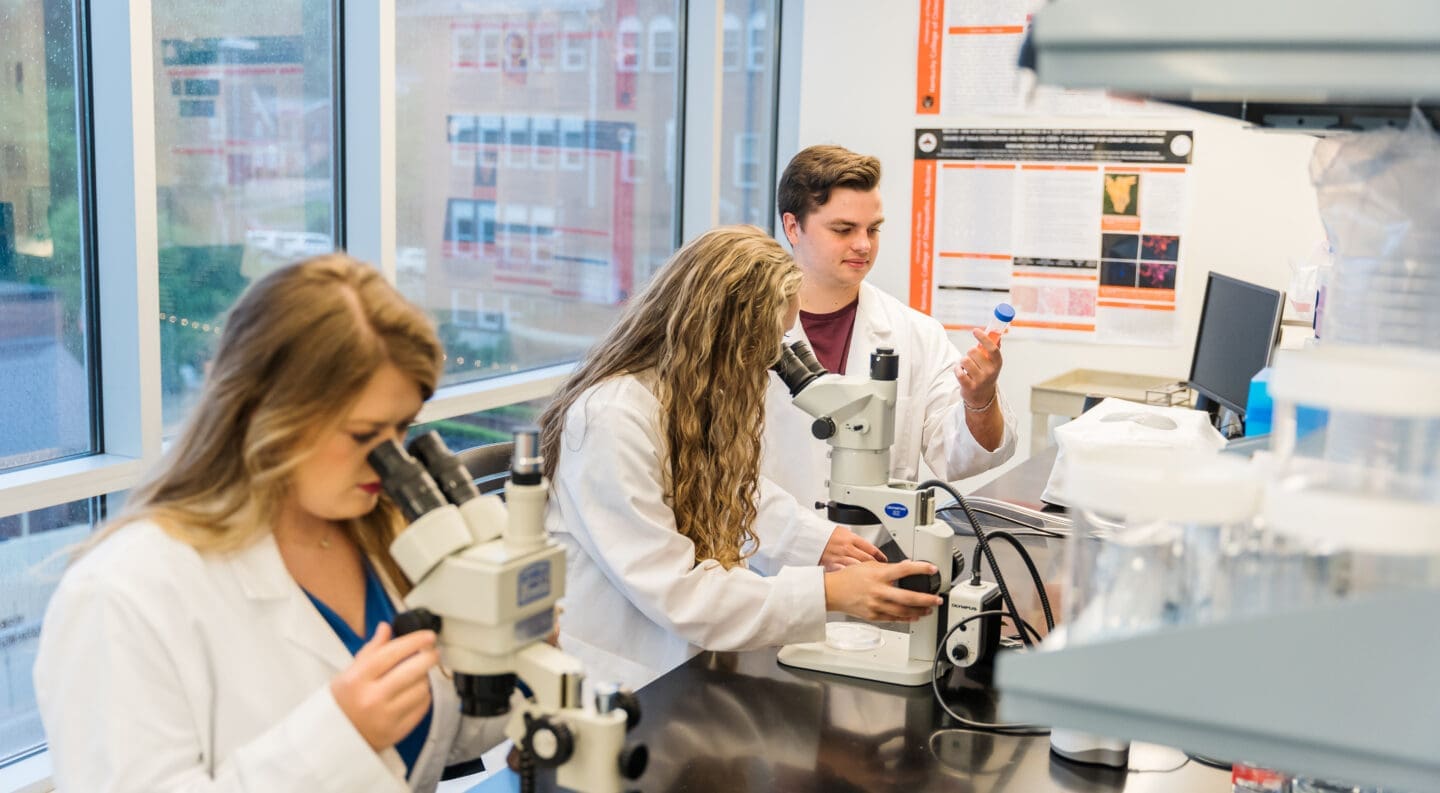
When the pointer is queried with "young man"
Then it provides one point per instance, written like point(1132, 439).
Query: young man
point(949, 408)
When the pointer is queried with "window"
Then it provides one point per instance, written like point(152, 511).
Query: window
point(542, 154)
point(747, 160)
point(462, 136)
point(45, 408)
point(634, 158)
point(574, 46)
point(514, 238)
point(573, 143)
point(492, 49)
point(517, 141)
point(254, 155)
point(732, 43)
point(544, 46)
point(497, 425)
point(747, 120)
point(542, 231)
point(757, 43)
point(464, 48)
point(460, 225)
point(662, 44)
point(462, 307)
point(27, 542)
point(46, 313)
point(582, 204)
point(627, 45)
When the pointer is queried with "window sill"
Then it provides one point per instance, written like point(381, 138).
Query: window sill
point(31, 775)
point(69, 480)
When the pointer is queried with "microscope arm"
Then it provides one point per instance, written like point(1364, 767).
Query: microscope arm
point(553, 677)
point(585, 745)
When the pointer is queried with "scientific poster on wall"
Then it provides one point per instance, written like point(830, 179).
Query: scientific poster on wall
point(967, 63)
point(1079, 229)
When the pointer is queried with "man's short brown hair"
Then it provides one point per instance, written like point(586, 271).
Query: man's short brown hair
point(814, 172)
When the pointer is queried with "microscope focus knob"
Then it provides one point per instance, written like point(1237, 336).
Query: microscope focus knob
point(823, 427)
point(416, 620)
point(550, 742)
point(630, 703)
point(633, 760)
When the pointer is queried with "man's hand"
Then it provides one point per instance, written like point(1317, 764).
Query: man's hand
point(979, 372)
point(846, 548)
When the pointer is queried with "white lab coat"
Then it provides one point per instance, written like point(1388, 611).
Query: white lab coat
point(163, 670)
point(929, 417)
point(636, 604)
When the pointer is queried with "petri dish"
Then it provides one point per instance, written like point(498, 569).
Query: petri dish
point(851, 636)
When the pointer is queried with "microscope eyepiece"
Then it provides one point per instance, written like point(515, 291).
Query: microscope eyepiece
point(797, 367)
point(526, 462)
point(884, 364)
point(444, 467)
point(405, 480)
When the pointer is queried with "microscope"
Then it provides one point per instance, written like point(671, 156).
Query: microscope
point(856, 416)
point(486, 579)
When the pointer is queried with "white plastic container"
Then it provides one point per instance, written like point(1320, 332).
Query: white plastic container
point(1152, 528)
point(1361, 494)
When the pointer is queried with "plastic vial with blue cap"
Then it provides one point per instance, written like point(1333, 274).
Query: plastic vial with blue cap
point(1000, 321)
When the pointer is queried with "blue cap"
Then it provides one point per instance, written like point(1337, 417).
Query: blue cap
point(1004, 312)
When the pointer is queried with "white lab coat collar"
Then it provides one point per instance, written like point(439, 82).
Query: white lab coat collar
point(261, 573)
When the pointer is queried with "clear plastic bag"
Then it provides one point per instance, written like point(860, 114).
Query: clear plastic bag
point(1381, 211)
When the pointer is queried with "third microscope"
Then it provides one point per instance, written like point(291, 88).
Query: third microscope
point(856, 416)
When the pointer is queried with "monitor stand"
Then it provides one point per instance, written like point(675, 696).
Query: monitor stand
point(1226, 421)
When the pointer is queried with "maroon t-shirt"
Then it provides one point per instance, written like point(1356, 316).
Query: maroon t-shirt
point(829, 335)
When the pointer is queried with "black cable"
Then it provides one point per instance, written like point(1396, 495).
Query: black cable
point(996, 534)
point(1170, 770)
point(1209, 761)
point(985, 548)
point(1002, 728)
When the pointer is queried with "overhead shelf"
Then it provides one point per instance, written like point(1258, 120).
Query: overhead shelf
point(1292, 51)
point(1350, 691)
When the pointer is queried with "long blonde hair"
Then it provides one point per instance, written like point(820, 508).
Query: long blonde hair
point(296, 351)
point(709, 326)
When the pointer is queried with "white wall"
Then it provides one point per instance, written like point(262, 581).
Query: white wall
point(1252, 205)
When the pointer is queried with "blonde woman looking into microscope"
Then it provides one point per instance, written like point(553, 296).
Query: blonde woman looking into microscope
point(653, 449)
point(230, 631)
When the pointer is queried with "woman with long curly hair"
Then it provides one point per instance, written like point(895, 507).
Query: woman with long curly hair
point(229, 633)
point(653, 450)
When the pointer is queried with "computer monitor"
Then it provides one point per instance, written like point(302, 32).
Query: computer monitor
point(1239, 327)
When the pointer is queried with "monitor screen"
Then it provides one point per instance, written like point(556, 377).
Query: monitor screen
point(1239, 325)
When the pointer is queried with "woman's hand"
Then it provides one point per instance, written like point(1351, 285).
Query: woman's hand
point(867, 591)
point(385, 692)
point(846, 548)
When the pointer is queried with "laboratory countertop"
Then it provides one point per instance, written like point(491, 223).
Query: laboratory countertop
point(739, 722)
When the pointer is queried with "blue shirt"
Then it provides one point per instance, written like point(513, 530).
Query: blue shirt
point(378, 609)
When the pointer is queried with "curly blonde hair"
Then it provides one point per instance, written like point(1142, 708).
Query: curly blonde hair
point(298, 348)
point(709, 327)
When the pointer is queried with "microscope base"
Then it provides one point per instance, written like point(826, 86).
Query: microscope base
point(888, 662)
